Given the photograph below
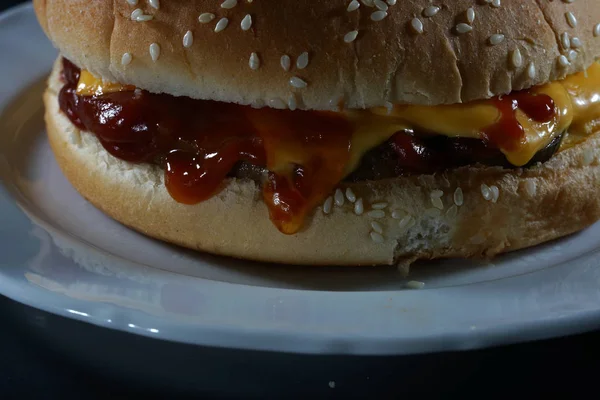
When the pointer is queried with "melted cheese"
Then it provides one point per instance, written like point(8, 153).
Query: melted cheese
point(577, 99)
point(89, 85)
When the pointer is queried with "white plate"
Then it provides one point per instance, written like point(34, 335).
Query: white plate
point(60, 254)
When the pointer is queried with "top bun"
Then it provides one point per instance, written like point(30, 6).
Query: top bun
point(421, 52)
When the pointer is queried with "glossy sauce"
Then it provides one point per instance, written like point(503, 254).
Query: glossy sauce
point(428, 154)
point(508, 132)
point(199, 143)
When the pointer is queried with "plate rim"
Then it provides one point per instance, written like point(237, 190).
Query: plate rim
point(317, 343)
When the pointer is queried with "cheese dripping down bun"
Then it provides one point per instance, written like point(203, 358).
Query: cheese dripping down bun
point(355, 55)
point(485, 210)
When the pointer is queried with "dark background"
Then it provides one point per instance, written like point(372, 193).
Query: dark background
point(45, 356)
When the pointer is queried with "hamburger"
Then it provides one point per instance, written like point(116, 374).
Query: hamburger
point(337, 132)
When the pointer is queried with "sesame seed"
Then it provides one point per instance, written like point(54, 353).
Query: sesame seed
point(338, 197)
point(391, 2)
point(136, 13)
point(496, 39)
point(563, 61)
point(486, 192)
point(452, 211)
point(154, 4)
point(576, 42)
point(302, 61)
point(222, 24)
point(405, 222)
point(154, 51)
point(144, 18)
point(495, 193)
point(358, 207)
point(470, 15)
point(463, 28)
point(276, 103)
point(298, 83)
point(571, 20)
point(350, 36)
point(285, 62)
point(458, 197)
point(516, 58)
point(368, 3)
point(398, 214)
point(436, 194)
point(588, 156)
point(381, 5)
point(432, 212)
point(205, 18)
point(531, 71)
point(377, 227)
point(377, 237)
point(229, 4)
point(597, 30)
point(430, 11)
point(246, 22)
point(126, 59)
point(188, 39)
point(572, 55)
point(437, 203)
point(378, 15)
point(132, 2)
point(565, 41)
point(379, 206)
point(415, 285)
point(496, 3)
point(376, 213)
point(353, 6)
point(350, 195)
point(327, 205)
point(292, 102)
point(417, 25)
point(531, 187)
point(254, 61)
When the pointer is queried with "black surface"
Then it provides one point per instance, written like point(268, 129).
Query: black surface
point(45, 356)
point(57, 357)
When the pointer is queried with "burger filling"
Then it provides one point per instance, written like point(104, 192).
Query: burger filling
point(299, 157)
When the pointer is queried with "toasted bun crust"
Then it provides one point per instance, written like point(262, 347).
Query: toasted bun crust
point(536, 205)
point(388, 61)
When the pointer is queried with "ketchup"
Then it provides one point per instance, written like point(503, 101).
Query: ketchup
point(508, 133)
point(430, 153)
point(199, 142)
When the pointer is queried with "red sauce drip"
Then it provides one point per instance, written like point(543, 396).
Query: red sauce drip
point(199, 142)
point(508, 133)
point(322, 139)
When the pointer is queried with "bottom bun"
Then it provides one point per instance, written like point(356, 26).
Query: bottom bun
point(535, 205)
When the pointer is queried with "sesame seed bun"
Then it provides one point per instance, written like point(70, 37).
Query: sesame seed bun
point(530, 206)
point(416, 54)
